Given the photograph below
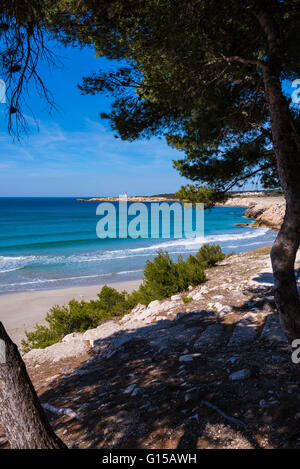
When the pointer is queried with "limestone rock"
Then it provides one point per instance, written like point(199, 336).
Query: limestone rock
point(241, 374)
point(272, 330)
point(188, 358)
point(72, 336)
point(244, 333)
point(175, 298)
point(154, 304)
point(101, 332)
point(211, 337)
point(58, 352)
point(176, 335)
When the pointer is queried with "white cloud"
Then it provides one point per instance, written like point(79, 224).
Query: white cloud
point(92, 157)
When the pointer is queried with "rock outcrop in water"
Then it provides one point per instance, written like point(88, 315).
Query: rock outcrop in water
point(267, 215)
point(267, 211)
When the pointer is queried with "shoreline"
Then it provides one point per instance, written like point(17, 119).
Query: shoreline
point(130, 199)
point(267, 212)
point(23, 310)
point(111, 282)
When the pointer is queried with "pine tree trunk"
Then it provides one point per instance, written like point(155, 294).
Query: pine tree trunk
point(286, 141)
point(23, 419)
point(285, 248)
point(285, 289)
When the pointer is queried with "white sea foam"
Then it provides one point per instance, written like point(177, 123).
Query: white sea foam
point(9, 270)
point(62, 279)
point(10, 263)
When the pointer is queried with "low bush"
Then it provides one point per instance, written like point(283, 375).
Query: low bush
point(210, 254)
point(162, 278)
point(78, 316)
point(187, 299)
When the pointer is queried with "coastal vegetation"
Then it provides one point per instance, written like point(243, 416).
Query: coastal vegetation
point(210, 77)
point(163, 277)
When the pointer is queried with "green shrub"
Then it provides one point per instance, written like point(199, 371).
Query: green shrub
point(162, 278)
point(41, 337)
point(190, 272)
point(210, 254)
point(78, 317)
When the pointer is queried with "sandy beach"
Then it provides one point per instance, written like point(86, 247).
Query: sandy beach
point(20, 311)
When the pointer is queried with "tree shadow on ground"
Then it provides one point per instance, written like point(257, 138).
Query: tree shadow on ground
point(138, 390)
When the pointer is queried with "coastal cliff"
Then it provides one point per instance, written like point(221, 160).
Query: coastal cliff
point(267, 211)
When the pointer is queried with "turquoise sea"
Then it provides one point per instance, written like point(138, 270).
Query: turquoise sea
point(48, 243)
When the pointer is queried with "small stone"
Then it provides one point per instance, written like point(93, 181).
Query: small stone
point(154, 304)
point(272, 330)
point(83, 407)
point(232, 360)
point(221, 315)
point(175, 297)
point(218, 306)
point(251, 317)
point(241, 374)
point(130, 388)
point(188, 358)
point(226, 309)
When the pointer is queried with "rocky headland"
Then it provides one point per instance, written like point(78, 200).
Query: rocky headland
point(267, 211)
point(130, 199)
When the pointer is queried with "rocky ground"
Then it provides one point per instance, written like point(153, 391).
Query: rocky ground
point(267, 211)
point(215, 372)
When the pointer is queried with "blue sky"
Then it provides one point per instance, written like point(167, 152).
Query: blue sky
point(75, 153)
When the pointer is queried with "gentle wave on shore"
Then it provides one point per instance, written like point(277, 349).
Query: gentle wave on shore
point(52, 243)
